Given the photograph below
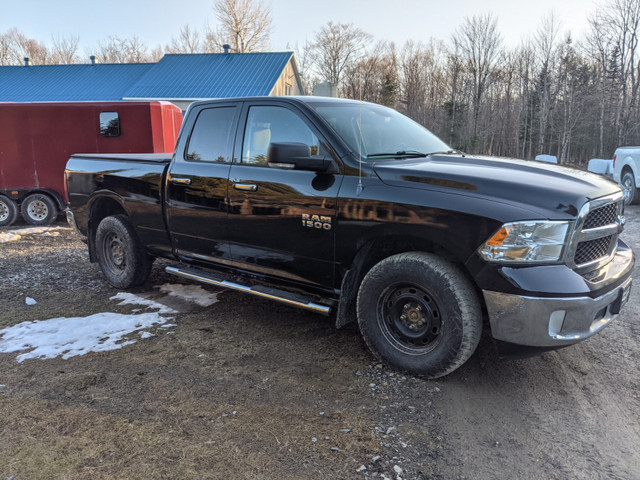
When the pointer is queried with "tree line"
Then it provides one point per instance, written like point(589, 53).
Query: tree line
point(550, 95)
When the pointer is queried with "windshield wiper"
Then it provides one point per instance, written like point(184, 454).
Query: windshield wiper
point(401, 154)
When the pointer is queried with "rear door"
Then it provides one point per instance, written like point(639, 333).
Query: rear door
point(281, 222)
point(198, 184)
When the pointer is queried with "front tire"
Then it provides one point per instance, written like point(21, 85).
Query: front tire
point(39, 209)
point(8, 211)
point(419, 314)
point(121, 255)
point(631, 193)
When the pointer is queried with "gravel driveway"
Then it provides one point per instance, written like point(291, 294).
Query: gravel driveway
point(243, 388)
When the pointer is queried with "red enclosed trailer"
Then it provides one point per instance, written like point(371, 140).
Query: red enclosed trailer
point(37, 139)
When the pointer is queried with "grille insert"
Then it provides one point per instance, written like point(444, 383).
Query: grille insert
point(601, 216)
point(592, 250)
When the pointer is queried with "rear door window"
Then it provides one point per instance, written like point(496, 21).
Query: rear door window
point(212, 136)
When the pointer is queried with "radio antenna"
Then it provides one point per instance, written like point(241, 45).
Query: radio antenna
point(360, 187)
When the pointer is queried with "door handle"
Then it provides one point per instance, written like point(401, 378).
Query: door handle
point(245, 187)
point(181, 181)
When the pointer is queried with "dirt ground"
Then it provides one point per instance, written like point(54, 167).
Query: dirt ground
point(248, 389)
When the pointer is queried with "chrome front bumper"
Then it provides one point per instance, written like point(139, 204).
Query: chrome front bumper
point(552, 322)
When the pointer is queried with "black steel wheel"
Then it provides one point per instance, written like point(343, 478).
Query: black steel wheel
point(121, 255)
point(8, 211)
point(409, 318)
point(419, 314)
point(39, 209)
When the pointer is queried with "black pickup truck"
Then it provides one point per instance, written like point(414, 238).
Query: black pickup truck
point(352, 210)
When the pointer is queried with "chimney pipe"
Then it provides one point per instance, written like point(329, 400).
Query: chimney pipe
point(27, 62)
point(93, 59)
point(226, 47)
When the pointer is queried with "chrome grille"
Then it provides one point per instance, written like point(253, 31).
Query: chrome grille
point(595, 237)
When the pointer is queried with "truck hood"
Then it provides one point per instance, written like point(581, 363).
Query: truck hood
point(544, 188)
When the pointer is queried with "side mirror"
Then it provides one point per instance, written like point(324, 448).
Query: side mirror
point(295, 155)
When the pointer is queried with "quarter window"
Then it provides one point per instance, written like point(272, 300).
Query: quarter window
point(212, 136)
point(267, 124)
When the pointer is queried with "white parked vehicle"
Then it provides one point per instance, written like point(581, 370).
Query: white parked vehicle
point(626, 171)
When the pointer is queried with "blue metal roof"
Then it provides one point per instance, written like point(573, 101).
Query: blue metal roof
point(196, 76)
point(39, 83)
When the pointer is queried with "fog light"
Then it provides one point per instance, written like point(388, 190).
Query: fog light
point(556, 321)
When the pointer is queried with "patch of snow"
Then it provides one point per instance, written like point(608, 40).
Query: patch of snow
point(6, 237)
point(131, 299)
point(15, 235)
point(191, 293)
point(68, 337)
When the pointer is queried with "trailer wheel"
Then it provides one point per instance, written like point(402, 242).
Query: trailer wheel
point(121, 255)
point(39, 209)
point(419, 314)
point(8, 211)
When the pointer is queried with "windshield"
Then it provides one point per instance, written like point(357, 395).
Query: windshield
point(377, 132)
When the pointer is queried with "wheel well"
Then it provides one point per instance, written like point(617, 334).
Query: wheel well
point(100, 209)
point(626, 169)
point(384, 247)
point(373, 252)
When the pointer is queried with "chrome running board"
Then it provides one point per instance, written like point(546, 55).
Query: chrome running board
point(258, 290)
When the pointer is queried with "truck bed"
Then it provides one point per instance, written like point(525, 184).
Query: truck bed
point(135, 184)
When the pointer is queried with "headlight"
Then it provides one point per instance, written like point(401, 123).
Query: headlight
point(526, 242)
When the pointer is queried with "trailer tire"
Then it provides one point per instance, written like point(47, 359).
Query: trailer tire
point(8, 211)
point(121, 255)
point(39, 209)
point(419, 313)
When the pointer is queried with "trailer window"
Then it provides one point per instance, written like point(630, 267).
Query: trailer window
point(109, 124)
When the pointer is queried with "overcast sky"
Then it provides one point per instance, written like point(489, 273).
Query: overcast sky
point(157, 21)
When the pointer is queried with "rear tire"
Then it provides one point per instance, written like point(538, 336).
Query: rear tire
point(631, 193)
point(8, 211)
point(121, 255)
point(419, 314)
point(39, 209)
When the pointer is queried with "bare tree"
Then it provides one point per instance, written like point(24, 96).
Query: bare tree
point(6, 46)
point(305, 66)
point(479, 43)
point(64, 50)
point(189, 41)
point(123, 50)
point(615, 32)
point(373, 78)
point(14, 47)
point(245, 25)
point(545, 42)
point(157, 53)
point(336, 45)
